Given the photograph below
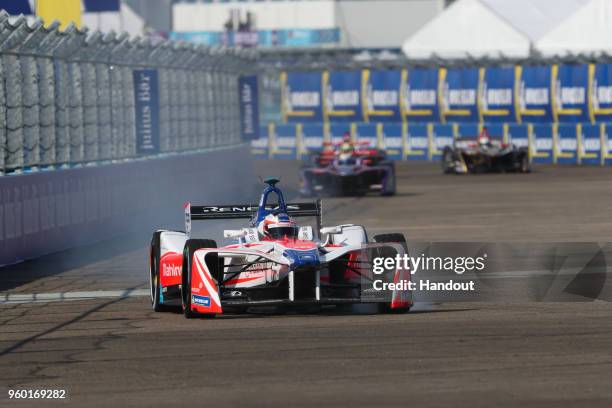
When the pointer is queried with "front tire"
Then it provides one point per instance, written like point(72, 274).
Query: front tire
point(190, 247)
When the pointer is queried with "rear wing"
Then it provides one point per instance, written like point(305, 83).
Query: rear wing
point(246, 211)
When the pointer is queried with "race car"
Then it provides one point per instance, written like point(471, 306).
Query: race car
point(347, 168)
point(484, 154)
point(274, 263)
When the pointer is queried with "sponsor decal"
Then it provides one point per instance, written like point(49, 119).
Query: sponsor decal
point(171, 270)
point(200, 300)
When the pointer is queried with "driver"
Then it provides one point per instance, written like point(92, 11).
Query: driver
point(278, 226)
point(484, 140)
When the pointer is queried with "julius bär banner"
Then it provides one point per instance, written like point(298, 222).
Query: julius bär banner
point(497, 94)
point(146, 103)
point(534, 94)
point(571, 89)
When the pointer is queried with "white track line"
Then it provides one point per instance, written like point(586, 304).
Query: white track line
point(8, 298)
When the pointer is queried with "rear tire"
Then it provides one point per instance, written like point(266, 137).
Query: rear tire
point(525, 166)
point(191, 246)
point(397, 238)
point(448, 161)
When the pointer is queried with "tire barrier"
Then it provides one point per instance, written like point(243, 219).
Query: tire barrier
point(557, 143)
point(46, 212)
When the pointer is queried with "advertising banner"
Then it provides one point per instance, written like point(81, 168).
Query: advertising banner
point(571, 93)
point(381, 100)
point(342, 96)
point(146, 104)
point(497, 102)
point(313, 136)
point(249, 107)
point(566, 145)
point(534, 94)
point(518, 134)
point(601, 92)
point(301, 97)
point(419, 95)
point(393, 139)
point(606, 140)
point(417, 147)
point(337, 131)
point(259, 147)
point(541, 143)
point(459, 90)
point(497, 131)
point(367, 133)
point(284, 144)
point(589, 143)
point(469, 130)
point(442, 136)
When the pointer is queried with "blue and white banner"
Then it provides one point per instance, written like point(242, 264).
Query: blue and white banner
point(541, 145)
point(419, 95)
point(442, 136)
point(393, 139)
point(313, 135)
point(342, 96)
point(337, 131)
point(589, 146)
point(566, 146)
point(259, 147)
point(417, 147)
point(382, 99)
point(535, 102)
point(97, 6)
point(301, 97)
point(518, 134)
point(249, 107)
point(284, 141)
point(571, 93)
point(367, 133)
point(16, 7)
point(459, 99)
point(146, 101)
point(601, 92)
point(497, 102)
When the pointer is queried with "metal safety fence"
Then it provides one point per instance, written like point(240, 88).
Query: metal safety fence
point(68, 97)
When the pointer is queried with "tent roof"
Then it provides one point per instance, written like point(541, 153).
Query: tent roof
point(534, 17)
point(480, 28)
point(589, 30)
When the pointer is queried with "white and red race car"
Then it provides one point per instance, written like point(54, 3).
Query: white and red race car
point(290, 269)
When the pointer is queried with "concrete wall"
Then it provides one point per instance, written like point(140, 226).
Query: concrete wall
point(48, 212)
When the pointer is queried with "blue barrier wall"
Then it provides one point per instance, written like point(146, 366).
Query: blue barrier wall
point(557, 143)
point(47, 212)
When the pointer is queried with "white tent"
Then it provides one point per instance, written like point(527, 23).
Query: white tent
point(491, 28)
point(589, 30)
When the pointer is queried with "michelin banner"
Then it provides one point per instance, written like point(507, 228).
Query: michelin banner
point(535, 102)
point(381, 95)
point(497, 102)
point(571, 93)
point(342, 96)
point(601, 91)
point(459, 90)
point(419, 95)
point(301, 97)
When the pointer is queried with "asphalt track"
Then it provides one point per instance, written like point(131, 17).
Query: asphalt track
point(111, 350)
